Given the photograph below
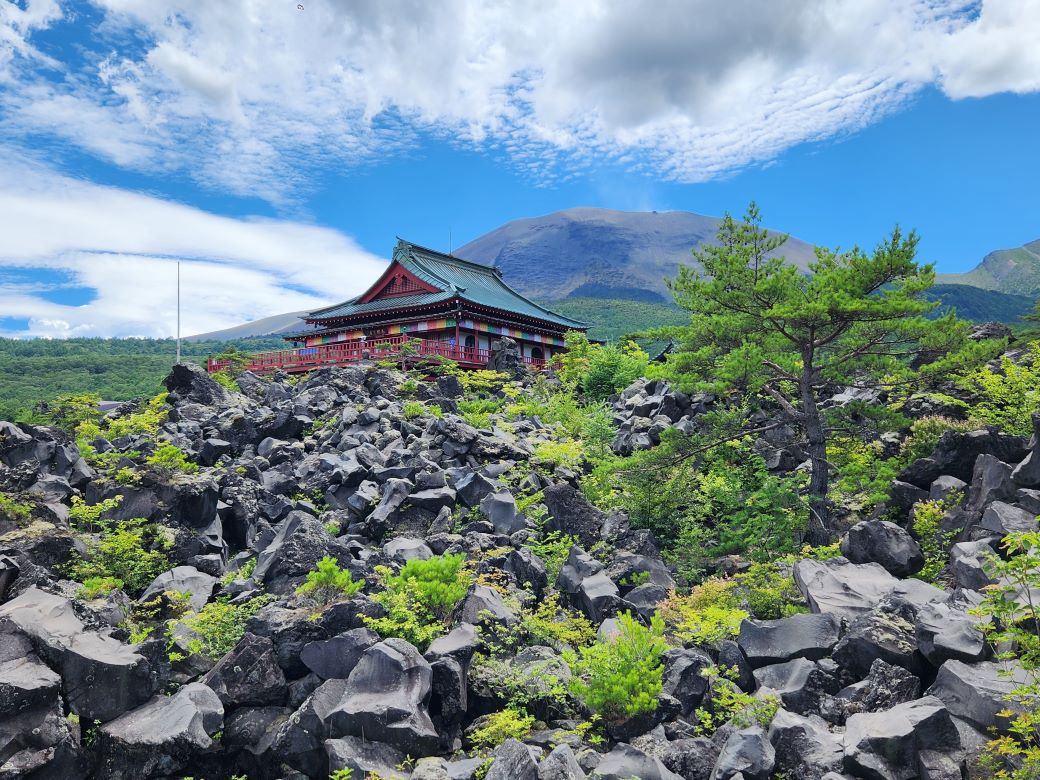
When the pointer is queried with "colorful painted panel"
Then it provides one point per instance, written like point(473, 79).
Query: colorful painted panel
point(333, 338)
point(515, 333)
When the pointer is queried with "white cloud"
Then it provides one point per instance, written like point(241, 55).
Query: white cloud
point(251, 96)
point(123, 246)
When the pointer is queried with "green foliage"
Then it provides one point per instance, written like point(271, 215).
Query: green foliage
point(708, 614)
point(225, 380)
point(482, 381)
point(14, 511)
point(599, 371)
point(864, 475)
point(730, 704)
point(87, 517)
point(551, 624)
point(93, 587)
point(1007, 397)
point(621, 676)
point(614, 318)
point(110, 369)
point(420, 597)
point(934, 541)
point(132, 552)
point(702, 501)
point(1013, 625)
point(925, 434)
point(768, 590)
point(568, 454)
point(217, 627)
point(413, 409)
point(169, 459)
point(477, 411)
point(243, 572)
point(329, 582)
point(500, 726)
point(553, 548)
point(69, 410)
point(342, 774)
point(146, 420)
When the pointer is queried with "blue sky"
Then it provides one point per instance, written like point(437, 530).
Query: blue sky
point(278, 152)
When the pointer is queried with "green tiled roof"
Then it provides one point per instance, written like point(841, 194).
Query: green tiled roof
point(453, 276)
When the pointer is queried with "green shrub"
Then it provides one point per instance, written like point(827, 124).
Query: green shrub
point(225, 380)
point(144, 421)
point(568, 454)
point(1008, 397)
point(477, 411)
point(169, 459)
point(864, 476)
point(1012, 624)
point(217, 627)
point(243, 572)
point(552, 548)
point(68, 411)
point(500, 726)
point(87, 517)
point(768, 592)
point(730, 704)
point(133, 552)
point(934, 541)
point(622, 676)
point(709, 613)
point(925, 434)
point(329, 583)
point(551, 624)
point(14, 511)
point(93, 587)
point(420, 597)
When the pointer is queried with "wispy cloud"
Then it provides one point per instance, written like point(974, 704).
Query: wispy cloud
point(123, 248)
point(251, 96)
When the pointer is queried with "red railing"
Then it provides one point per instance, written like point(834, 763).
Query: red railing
point(390, 348)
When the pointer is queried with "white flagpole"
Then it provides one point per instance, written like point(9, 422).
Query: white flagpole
point(178, 311)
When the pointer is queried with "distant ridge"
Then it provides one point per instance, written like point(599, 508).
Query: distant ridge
point(556, 255)
point(1015, 271)
point(274, 325)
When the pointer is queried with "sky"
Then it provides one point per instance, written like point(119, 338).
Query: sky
point(276, 148)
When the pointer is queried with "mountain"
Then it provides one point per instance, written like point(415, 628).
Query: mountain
point(974, 303)
point(275, 325)
point(600, 253)
point(1015, 271)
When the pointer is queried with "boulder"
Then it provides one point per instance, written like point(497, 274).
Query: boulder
point(249, 675)
point(875, 635)
point(102, 677)
point(512, 761)
point(183, 579)
point(799, 636)
point(570, 513)
point(978, 692)
point(682, 679)
point(747, 753)
point(970, 563)
point(884, 543)
point(587, 586)
point(162, 737)
point(946, 631)
point(189, 383)
point(500, 509)
point(842, 588)
point(387, 698)
point(1002, 519)
point(472, 487)
point(957, 451)
point(365, 758)
point(483, 604)
point(336, 658)
point(299, 741)
point(884, 687)
point(37, 742)
point(625, 762)
point(403, 548)
point(888, 745)
point(798, 684)
point(692, 758)
point(560, 764)
point(300, 542)
point(804, 746)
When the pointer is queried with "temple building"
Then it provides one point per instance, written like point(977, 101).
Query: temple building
point(425, 303)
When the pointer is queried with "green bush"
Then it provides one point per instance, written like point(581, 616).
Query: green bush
point(216, 627)
point(225, 380)
point(709, 613)
point(552, 548)
point(500, 726)
point(14, 511)
point(133, 552)
point(934, 541)
point(87, 517)
point(329, 583)
point(169, 459)
point(1007, 398)
point(477, 411)
point(925, 434)
point(420, 597)
point(93, 587)
point(551, 624)
point(622, 676)
point(68, 411)
point(730, 704)
point(1012, 624)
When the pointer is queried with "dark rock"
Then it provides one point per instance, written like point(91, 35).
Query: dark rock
point(386, 699)
point(500, 509)
point(625, 762)
point(957, 452)
point(163, 736)
point(883, 688)
point(299, 741)
point(945, 631)
point(472, 488)
point(102, 677)
point(970, 564)
point(682, 679)
point(301, 541)
point(570, 513)
point(336, 658)
point(290, 631)
point(887, 745)
point(560, 764)
point(903, 495)
point(588, 587)
point(37, 743)
point(1003, 519)
point(799, 636)
point(365, 758)
point(189, 383)
point(945, 486)
point(884, 543)
point(878, 635)
point(692, 758)
point(249, 675)
point(842, 588)
point(731, 657)
point(978, 692)
point(512, 761)
point(212, 450)
point(404, 549)
point(799, 684)
point(805, 748)
point(483, 604)
point(747, 753)
point(183, 579)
